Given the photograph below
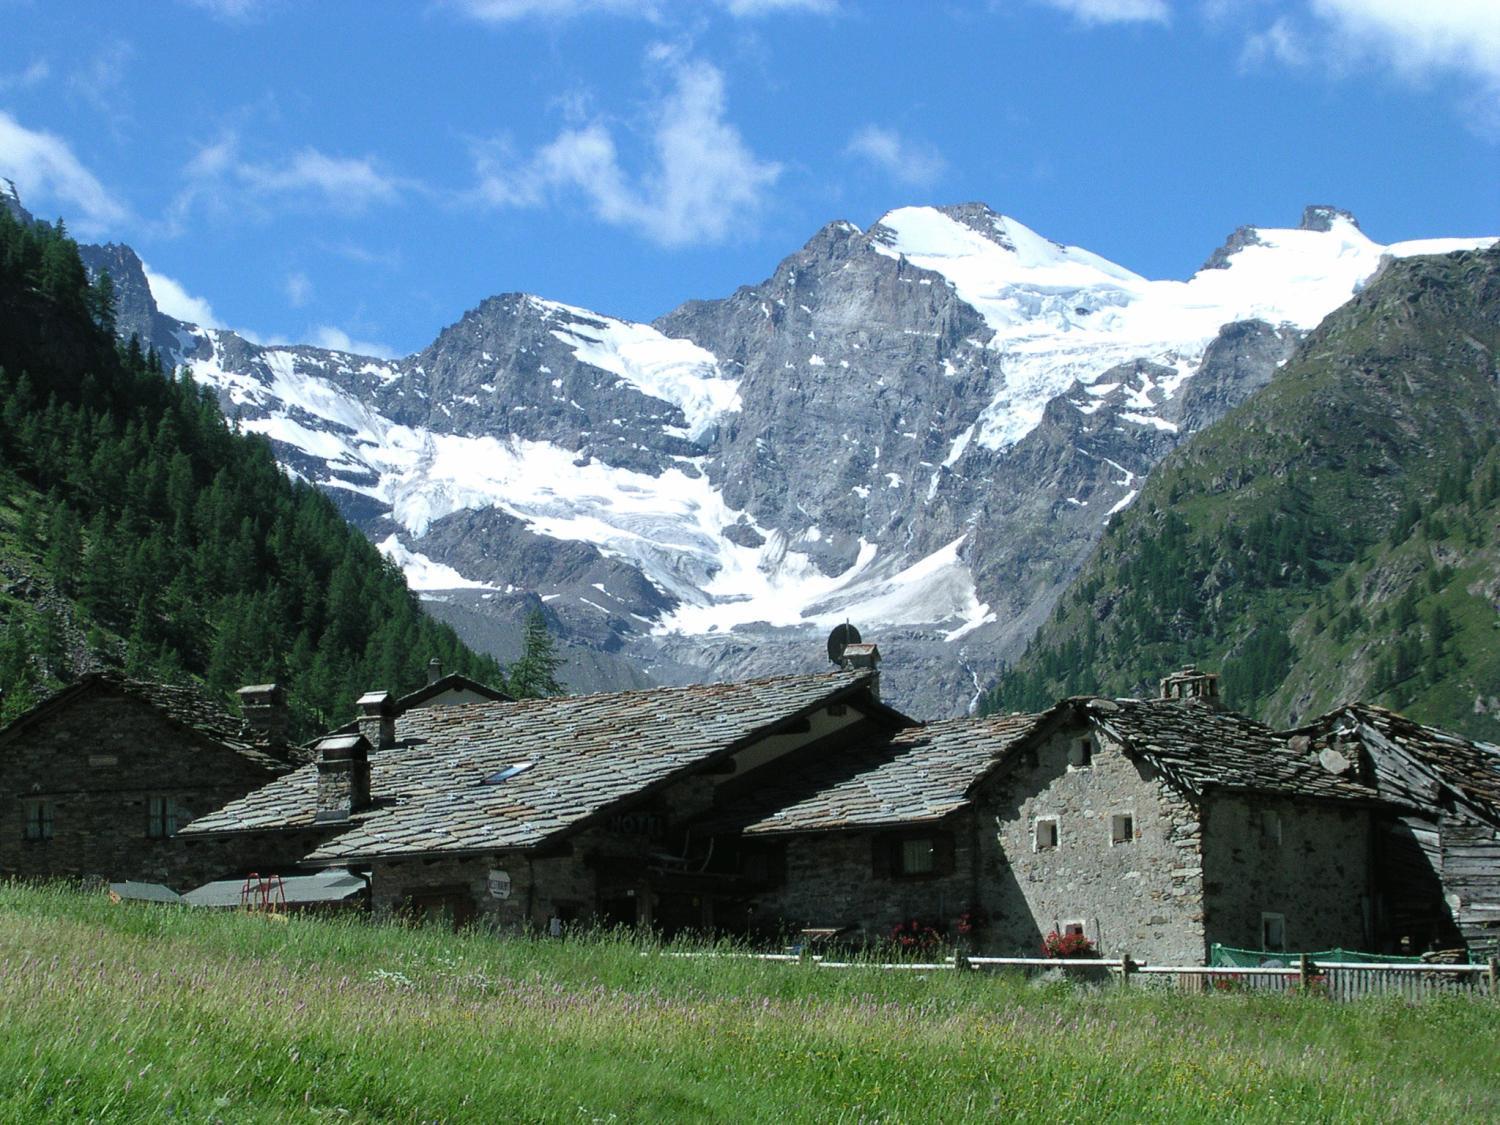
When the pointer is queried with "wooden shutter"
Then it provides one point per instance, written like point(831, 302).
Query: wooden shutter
point(942, 853)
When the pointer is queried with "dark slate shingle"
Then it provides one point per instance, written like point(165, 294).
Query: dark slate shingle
point(913, 776)
point(1199, 747)
point(588, 752)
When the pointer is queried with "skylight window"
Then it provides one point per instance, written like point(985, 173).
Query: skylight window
point(507, 773)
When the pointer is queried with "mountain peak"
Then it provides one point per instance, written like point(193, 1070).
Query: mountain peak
point(10, 199)
point(1321, 217)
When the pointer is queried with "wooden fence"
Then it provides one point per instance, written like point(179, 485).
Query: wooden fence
point(1336, 980)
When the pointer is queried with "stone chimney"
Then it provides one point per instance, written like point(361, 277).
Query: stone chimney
point(434, 671)
point(1192, 684)
point(858, 657)
point(265, 711)
point(377, 719)
point(343, 776)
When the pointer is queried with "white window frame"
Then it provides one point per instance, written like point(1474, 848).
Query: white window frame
point(1081, 924)
point(1115, 838)
point(1272, 919)
point(1036, 834)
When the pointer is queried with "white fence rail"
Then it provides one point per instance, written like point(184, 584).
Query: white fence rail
point(1336, 980)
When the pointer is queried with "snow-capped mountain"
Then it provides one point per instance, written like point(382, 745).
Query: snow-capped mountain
point(922, 427)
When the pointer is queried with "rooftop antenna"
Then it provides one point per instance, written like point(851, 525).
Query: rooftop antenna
point(841, 637)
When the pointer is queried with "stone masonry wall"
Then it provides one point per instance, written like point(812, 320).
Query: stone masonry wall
point(99, 761)
point(1141, 896)
point(1308, 861)
point(832, 879)
point(568, 887)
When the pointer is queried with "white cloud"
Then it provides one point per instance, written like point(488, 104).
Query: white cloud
point(508, 11)
point(752, 8)
point(1418, 36)
point(218, 173)
point(299, 289)
point(504, 11)
point(1114, 11)
point(336, 339)
point(703, 182)
point(1281, 42)
point(45, 169)
point(174, 300)
point(100, 79)
point(235, 11)
point(34, 75)
point(350, 184)
point(907, 161)
point(1414, 39)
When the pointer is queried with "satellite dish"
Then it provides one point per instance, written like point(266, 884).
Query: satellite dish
point(841, 636)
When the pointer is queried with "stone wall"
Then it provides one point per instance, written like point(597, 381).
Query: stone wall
point(1308, 861)
point(97, 761)
point(846, 879)
point(1141, 895)
point(601, 879)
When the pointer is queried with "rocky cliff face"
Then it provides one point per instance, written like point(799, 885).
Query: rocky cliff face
point(922, 427)
point(136, 313)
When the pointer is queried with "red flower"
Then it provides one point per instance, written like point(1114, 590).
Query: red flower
point(1068, 946)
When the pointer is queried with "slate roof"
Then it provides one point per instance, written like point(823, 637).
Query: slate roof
point(1200, 748)
point(182, 704)
point(913, 776)
point(453, 681)
point(923, 774)
point(588, 753)
point(1469, 767)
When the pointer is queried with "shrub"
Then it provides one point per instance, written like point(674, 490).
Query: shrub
point(1068, 946)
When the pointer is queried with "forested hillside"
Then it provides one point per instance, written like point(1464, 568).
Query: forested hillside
point(1335, 537)
point(138, 530)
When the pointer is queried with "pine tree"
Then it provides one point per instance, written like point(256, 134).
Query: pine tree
point(534, 675)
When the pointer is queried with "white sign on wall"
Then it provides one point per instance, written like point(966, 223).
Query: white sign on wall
point(499, 884)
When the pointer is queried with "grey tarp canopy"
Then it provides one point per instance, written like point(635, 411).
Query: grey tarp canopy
point(325, 886)
point(132, 891)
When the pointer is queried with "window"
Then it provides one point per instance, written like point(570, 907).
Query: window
point(916, 857)
point(161, 817)
point(1270, 826)
point(1081, 754)
point(1044, 834)
point(1073, 929)
point(1273, 932)
point(502, 776)
point(38, 819)
point(901, 855)
point(1121, 829)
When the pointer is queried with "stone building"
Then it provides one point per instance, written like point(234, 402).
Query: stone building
point(449, 691)
point(554, 811)
point(1438, 846)
point(99, 779)
point(1155, 828)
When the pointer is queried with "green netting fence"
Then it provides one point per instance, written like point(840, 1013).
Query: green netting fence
point(1226, 957)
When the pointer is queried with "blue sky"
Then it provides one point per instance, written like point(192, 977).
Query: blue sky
point(364, 172)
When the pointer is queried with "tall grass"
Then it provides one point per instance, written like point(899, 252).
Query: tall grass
point(125, 1013)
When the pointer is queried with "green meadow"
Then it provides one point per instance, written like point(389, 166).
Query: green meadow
point(139, 1013)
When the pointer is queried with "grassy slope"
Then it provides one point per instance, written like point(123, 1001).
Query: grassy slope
point(1235, 555)
point(133, 1013)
